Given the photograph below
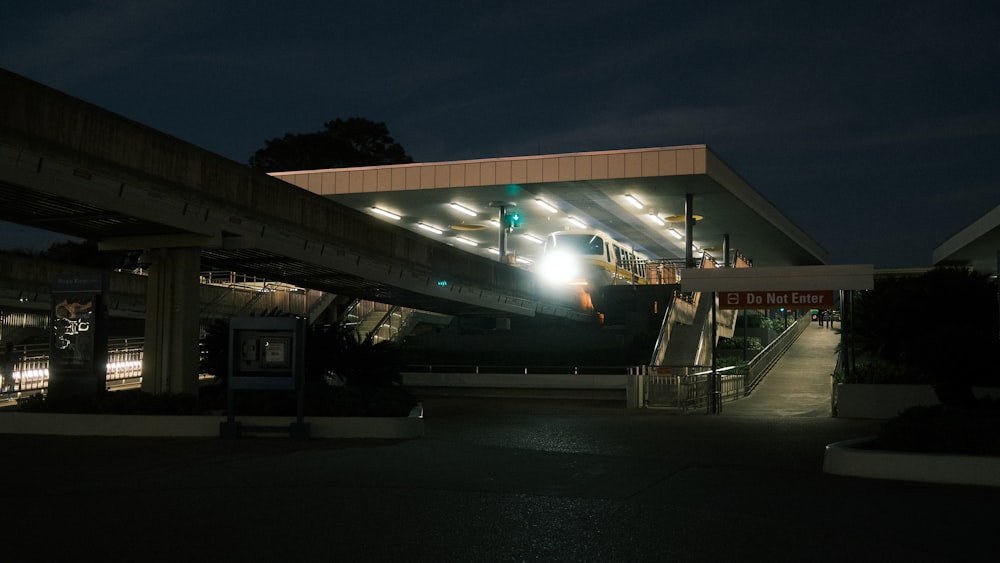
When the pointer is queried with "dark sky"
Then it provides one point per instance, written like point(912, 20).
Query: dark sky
point(875, 126)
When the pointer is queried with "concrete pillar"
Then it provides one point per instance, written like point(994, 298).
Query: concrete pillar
point(170, 356)
point(689, 231)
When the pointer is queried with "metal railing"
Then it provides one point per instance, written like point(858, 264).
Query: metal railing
point(689, 390)
point(31, 373)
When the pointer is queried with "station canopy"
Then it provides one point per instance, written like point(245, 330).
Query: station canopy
point(636, 196)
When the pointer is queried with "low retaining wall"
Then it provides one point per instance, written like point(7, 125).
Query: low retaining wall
point(16, 422)
point(885, 401)
point(852, 458)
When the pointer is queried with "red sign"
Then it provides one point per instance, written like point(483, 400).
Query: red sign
point(776, 299)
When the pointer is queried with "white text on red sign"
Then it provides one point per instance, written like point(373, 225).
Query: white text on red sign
point(774, 299)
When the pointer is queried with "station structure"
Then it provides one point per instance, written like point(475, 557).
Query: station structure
point(426, 236)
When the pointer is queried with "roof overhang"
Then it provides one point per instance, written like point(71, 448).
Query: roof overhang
point(588, 187)
point(976, 246)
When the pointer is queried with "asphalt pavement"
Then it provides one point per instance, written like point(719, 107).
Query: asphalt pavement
point(493, 480)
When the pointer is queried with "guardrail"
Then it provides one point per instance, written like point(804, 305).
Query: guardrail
point(31, 373)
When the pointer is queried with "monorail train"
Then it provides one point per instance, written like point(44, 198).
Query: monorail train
point(590, 259)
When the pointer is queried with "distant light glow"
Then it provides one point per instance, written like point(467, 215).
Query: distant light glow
point(430, 228)
point(634, 201)
point(463, 209)
point(546, 205)
point(386, 213)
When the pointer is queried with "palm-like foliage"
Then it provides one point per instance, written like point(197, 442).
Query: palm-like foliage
point(939, 328)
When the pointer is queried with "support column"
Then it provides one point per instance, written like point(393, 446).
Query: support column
point(170, 355)
point(689, 231)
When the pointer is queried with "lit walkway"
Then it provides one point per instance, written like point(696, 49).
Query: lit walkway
point(800, 383)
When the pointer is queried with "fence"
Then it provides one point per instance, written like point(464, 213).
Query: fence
point(31, 374)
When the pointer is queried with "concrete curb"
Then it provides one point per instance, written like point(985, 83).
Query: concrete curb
point(849, 458)
point(15, 422)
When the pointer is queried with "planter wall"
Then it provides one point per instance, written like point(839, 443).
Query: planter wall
point(16, 422)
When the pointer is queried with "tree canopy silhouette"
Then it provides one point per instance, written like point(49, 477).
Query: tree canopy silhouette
point(342, 143)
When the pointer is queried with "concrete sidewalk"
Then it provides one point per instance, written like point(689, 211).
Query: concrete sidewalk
point(800, 383)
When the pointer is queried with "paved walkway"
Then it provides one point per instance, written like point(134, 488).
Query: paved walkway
point(491, 481)
point(800, 384)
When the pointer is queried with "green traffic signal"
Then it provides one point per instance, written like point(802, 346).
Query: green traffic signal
point(512, 219)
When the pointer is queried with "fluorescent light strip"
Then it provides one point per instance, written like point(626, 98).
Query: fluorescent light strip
point(579, 224)
point(656, 219)
point(635, 202)
point(676, 234)
point(385, 213)
point(463, 209)
point(430, 228)
point(533, 238)
point(494, 250)
point(548, 206)
point(522, 260)
point(467, 241)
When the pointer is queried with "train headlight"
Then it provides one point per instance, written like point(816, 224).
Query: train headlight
point(559, 268)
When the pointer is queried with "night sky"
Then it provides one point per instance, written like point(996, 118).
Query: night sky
point(875, 126)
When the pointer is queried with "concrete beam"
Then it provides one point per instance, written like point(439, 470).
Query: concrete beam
point(783, 278)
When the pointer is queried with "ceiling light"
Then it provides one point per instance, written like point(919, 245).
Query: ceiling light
point(385, 213)
point(522, 260)
point(635, 202)
point(467, 241)
point(494, 250)
point(578, 223)
point(548, 206)
point(656, 219)
point(676, 234)
point(533, 238)
point(430, 228)
point(463, 209)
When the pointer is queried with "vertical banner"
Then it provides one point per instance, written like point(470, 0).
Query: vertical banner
point(78, 344)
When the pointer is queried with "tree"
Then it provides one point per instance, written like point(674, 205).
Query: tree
point(342, 143)
point(939, 328)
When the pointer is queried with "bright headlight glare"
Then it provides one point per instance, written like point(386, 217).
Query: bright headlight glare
point(558, 268)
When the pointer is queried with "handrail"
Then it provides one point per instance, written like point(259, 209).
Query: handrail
point(758, 367)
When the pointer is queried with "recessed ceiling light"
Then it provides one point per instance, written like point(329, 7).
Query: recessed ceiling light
point(385, 213)
point(430, 228)
point(463, 209)
point(546, 205)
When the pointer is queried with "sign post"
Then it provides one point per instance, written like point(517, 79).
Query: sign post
point(78, 340)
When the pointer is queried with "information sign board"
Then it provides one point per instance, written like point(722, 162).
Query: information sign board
point(812, 299)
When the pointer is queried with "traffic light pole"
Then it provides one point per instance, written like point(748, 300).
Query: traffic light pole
point(504, 228)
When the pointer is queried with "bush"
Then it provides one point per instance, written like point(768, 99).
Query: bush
point(967, 429)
